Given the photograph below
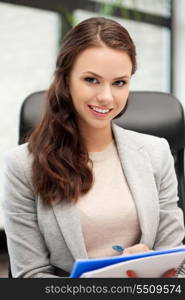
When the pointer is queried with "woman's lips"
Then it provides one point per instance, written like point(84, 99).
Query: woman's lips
point(99, 111)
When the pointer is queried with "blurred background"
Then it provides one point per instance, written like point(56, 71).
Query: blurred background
point(31, 34)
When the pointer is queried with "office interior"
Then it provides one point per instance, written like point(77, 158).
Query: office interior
point(31, 34)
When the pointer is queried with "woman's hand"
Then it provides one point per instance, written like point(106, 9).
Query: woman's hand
point(167, 274)
point(139, 248)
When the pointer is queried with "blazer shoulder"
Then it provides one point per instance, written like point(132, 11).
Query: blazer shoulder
point(19, 160)
point(157, 148)
point(19, 152)
point(138, 140)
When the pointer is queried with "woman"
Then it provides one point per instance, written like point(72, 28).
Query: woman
point(81, 185)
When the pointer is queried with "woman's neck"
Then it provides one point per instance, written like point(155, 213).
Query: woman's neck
point(97, 140)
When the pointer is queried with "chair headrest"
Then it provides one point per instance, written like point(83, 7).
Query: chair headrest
point(155, 113)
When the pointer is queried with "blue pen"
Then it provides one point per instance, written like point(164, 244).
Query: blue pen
point(118, 248)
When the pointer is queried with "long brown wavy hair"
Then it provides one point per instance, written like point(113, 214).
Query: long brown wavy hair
point(61, 166)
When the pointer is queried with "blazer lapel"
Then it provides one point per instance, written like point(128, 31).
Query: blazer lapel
point(139, 175)
point(69, 222)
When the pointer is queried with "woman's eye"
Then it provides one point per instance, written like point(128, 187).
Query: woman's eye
point(120, 82)
point(91, 80)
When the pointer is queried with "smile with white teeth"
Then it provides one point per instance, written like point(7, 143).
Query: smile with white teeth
point(102, 111)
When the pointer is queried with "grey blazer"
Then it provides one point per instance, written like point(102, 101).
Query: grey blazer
point(41, 238)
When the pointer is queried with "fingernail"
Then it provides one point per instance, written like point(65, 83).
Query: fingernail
point(130, 273)
point(173, 272)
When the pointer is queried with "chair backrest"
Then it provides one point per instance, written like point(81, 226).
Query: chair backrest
point(155, 113)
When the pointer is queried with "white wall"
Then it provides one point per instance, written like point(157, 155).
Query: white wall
point(28, 49)
point(179, 50)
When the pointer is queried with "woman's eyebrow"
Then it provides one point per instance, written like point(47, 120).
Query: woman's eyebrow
point(94, 74)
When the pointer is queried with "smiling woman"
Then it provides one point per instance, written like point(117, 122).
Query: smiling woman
point(82, 187)
point(101, 46)
point(101, 94)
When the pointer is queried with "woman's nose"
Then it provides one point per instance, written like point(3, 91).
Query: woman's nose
point(105, 96)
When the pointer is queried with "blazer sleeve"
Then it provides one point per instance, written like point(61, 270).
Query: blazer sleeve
point(29, 256)
point(171, 225)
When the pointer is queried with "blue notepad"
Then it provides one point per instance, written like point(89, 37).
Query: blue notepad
point(85, 265)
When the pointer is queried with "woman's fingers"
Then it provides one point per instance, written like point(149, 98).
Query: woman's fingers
point(131, 274)
point(138, 248)
point(169, 273)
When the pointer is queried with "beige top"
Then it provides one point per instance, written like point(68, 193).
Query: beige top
point(107, 211)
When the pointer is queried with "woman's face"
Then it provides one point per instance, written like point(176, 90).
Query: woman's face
point(99, 85)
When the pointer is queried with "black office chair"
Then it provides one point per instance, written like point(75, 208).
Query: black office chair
point(155, 113)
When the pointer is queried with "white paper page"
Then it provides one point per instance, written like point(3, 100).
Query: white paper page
point(148, 267)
